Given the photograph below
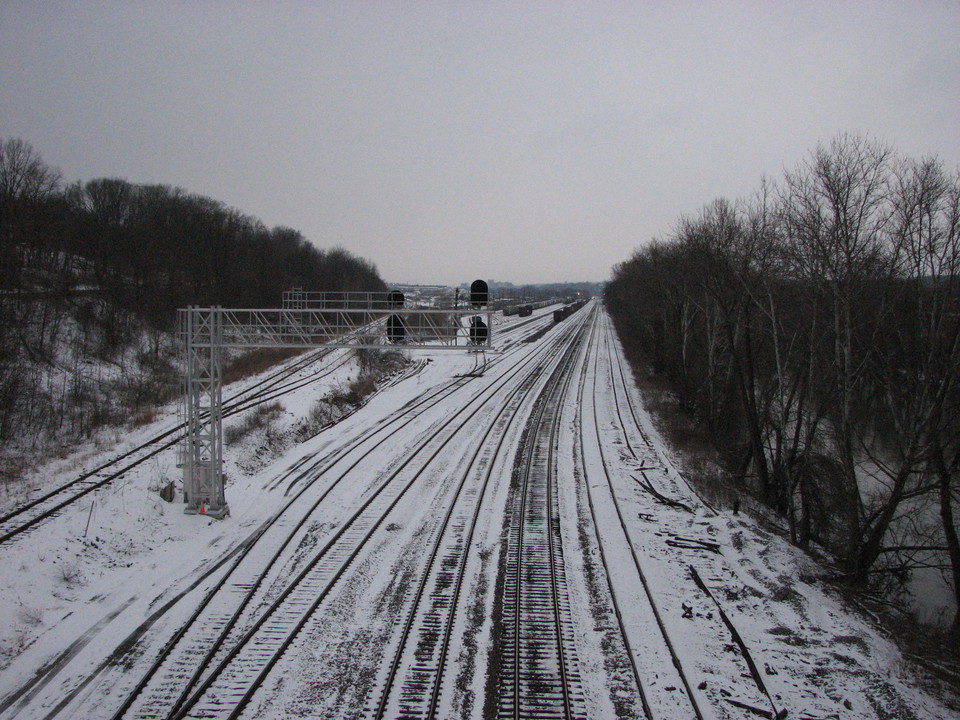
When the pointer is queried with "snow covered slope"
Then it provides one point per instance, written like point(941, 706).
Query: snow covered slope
point(384, 544)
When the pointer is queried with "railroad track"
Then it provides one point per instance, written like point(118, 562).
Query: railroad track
point(651, 654)
point(254, 569)
point(245, 568)
point(621, 397)
point(26, 516)
point(661, 672)
point(538, 674)
point(305, 474)
point(413, 681)
point(249, 644)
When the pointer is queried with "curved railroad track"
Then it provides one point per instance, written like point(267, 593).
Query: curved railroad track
point(169, 692)
point(26, 516)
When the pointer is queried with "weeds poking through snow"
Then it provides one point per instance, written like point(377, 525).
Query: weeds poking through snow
point(32, 616)
point(263, 416)
point(70, 573)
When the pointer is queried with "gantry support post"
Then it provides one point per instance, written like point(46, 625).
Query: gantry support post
point(203, 461)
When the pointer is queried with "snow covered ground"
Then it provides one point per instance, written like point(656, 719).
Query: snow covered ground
point(91, 598)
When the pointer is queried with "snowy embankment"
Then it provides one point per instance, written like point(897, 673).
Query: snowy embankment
point(92, 596)
point(123, 545)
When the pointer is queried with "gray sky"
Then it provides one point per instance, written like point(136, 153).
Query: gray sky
point(445, 141)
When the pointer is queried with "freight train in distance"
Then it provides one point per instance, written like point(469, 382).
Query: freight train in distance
point(567, 310)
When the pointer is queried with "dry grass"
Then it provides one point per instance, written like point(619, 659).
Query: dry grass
point(12, 470)
point(256, 361)
point(358, 390)
point(693, 447)
point(341, 400)
point(30, 615)
point(262, 416)
point(144, 417)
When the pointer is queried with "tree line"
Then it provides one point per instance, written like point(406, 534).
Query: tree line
point(814, 329)
point(153, 247)
point(94, 269)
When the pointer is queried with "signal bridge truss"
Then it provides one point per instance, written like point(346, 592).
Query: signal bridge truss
point(307, 320)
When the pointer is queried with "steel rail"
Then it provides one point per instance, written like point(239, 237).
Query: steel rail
point(633, 413)
point(631, 655)
point(522, 598)
point(240, 404)
point(462, 546)
point(235, 557)
point(87, 482)
point(316, 470)
point(615, 358)
point(674, 657)
point(487, 395)
point(268, 383)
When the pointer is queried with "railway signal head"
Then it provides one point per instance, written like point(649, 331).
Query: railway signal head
point(479, 293)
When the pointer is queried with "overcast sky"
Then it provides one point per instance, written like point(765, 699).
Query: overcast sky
point(447, 141)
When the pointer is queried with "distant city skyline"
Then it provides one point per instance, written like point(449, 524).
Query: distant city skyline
point(535, 143)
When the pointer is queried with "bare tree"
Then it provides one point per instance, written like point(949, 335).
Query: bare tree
point(23, 174)
point(836, 214)
point(924, 399)
point(25, 183)
point(818, 336)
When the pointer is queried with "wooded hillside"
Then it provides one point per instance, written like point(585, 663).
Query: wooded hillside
point(91, 275)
